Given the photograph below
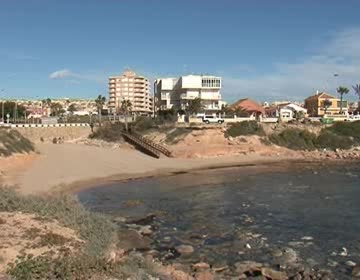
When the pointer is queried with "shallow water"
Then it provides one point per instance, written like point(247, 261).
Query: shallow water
point(249, 213)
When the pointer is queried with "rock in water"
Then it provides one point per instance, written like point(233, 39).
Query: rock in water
point(142, 220)
point(356, 272)
point(131, 239)
point(204, 275)
point(247, 267)
point(185, 249)
point(350, 263)
point(201, 266)
point(273, 274)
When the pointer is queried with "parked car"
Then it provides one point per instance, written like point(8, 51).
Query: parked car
point(212, 119)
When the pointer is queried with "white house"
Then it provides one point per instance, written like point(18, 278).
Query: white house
point(177, 93)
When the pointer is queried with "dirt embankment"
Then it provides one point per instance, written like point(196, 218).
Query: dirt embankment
point(209, 143)
point(212, 143)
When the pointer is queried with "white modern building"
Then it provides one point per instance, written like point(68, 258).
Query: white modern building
point(132, 87)
point(177, 93)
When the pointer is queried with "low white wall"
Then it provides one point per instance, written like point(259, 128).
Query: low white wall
point(45, 125)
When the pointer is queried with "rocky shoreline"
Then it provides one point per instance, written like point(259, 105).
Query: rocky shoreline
point(177, 261)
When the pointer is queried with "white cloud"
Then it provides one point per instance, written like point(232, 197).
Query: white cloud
point(294, 81)
point(61, 74)
point(66, 74)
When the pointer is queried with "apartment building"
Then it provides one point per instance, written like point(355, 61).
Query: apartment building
point(177, 93)
point(132, 87)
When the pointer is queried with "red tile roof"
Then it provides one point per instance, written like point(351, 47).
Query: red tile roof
point(248, 105)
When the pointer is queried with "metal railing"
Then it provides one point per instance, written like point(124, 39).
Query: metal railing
point(147, 144)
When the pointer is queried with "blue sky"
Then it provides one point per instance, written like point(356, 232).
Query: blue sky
point(265, 49)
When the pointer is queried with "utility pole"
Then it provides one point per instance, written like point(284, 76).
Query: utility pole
point(3, 108)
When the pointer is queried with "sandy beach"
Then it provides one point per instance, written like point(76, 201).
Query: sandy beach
point(71, 166)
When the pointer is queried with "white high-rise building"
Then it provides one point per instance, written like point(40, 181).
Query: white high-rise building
point(177, 93)
point(132, 87)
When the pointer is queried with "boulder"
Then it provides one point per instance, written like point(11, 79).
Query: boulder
point(350, 263)
point(356, 272)
point(130, 239)
point(145, 230)
point(247, 267)
point(273, 274)
point(201, 266)
point(148, 219)
point(204, 275)
point(185, 249)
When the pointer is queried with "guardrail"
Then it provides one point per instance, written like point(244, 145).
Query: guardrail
point(26, 125)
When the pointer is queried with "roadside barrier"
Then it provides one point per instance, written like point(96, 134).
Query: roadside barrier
point(44, 125)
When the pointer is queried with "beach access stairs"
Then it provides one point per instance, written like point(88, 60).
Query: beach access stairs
point(146, 145)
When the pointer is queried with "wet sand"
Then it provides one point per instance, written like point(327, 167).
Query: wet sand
point(69, 167)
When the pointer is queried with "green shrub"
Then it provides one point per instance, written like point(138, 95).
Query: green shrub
point(94, 228)
point(245, 128)
point(330, 140)
point(295, 139)
point(166, 116)
point(80, 266)
point(143, 123)
point(108, 132)
point(350, 129)
point(88, 263)
point(11, 142)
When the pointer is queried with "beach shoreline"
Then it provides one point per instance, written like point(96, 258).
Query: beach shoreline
point(70, 168)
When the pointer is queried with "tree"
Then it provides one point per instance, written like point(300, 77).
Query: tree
point(241, 113)
point(226, 110)
point(100, 102)
point(327, 103)
point(342, 90)
point(9, 108)
point(56, 109)
point(72, 108)
point(195, 106)
point(299, 115)
point(125, 109)
point(357, 92)
point(46, 102)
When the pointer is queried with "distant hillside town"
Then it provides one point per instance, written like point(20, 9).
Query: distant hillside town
point(184, 96)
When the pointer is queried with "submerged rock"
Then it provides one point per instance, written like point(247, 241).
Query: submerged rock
point(130, 239)
point(350, 263)
point(273, 274)
point(247, 267)
point(201, 266)
point(148, 219)
point(204, 275)
point(185, 249)
point(356, 272)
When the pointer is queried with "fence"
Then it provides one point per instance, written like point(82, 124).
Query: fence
point(25, 125)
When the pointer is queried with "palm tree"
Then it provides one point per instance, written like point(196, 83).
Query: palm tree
point(342, 90)
point(327, 103)
point(126, 108)
point(357, 92)
point(100, 101)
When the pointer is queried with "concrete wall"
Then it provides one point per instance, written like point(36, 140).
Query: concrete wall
point(49, 133)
